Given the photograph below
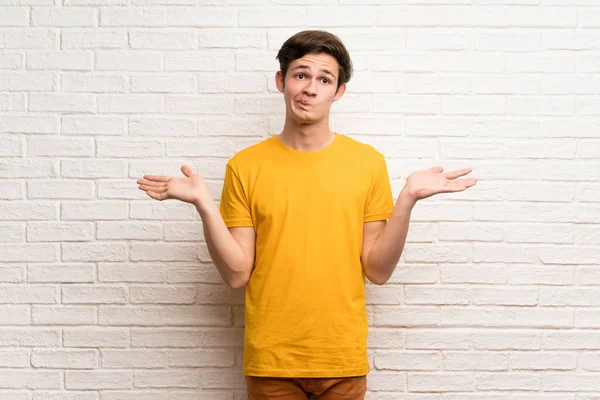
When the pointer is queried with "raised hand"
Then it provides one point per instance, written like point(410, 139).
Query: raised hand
point(422, 184)
point(191, 189)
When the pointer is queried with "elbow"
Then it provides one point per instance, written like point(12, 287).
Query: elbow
point(238, 281)
point(378, 280)
point(237, 284)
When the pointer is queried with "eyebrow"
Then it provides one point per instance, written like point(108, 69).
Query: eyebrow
point(326, 71)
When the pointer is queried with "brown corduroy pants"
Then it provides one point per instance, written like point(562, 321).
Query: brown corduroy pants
point(347, 388)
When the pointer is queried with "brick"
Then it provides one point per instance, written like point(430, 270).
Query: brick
point(69, 61)
point(61, 102)
point(185, 315)
point(11, 211)
point(95, 337)
point(181, 231)
point(151, 337)
point(30, 124)
point(162, 40)
point(127, 61)
point(163, 84)
point(75, 273)
point(29, 336)
point(478, 361)
point(11, 60)
point(170, 379)
point(28, 252)
point(440, 382)
point(93, 168)
point(15, 314)
point(202, 16)
point(64, 17)
point(91, 211)
point(98, 380)
point(14, 16)
point(93, 83)
point(199, 61)
point(60, 147)
point(156, 126)
point(12, 274)
point(121, 148)
point(14, 358)
point(63, 315)
point(60, 189)
point(94, 125)
point(231, 38)
point(408, 16)
point(131, 272)
point(17, 379)
point(62, 358)
point(132, 16)
point(163, 252)
point(32, 294)
point(11, 190)
point(122, 103)
point(209, 146)
point(11, 147)
point(95, 251)
point(163, 295)
point(58, 232)
point(94, 294)
point(129, 230)
point(28, 38)
point(94, 39)
point(27, 81)
point(138, 359)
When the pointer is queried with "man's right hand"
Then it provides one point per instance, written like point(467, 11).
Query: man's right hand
point(191, 189)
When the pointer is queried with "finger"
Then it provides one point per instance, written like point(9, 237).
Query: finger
point(187, 171)
point(436, 169)
point(155, 189)
point(157, 178)
point(150, 183)
point(461, 184)
point(458, 173)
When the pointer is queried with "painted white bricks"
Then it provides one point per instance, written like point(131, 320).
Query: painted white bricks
point(106, 294)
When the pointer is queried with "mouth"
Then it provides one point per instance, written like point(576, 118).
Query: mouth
point(303, 103)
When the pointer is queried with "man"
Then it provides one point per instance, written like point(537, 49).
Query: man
point(302, 222)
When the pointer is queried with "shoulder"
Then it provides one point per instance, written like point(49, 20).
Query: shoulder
point(363, 151)
point(250, 155)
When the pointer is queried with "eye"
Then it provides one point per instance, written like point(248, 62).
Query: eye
point(325, 80)
point(300, 76)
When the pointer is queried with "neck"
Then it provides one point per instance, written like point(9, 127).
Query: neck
point(306, 137)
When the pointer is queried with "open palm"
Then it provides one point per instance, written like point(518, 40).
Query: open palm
point(426, 183)
point(190, 189)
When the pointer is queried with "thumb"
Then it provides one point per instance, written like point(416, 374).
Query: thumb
point(436, 169)
point(187, 171)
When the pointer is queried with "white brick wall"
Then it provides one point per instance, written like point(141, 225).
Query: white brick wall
point(106, 294)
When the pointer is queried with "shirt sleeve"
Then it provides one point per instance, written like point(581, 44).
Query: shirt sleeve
point(380, 203)
point(234, 207)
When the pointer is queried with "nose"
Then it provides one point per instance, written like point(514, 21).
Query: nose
point(310, 89)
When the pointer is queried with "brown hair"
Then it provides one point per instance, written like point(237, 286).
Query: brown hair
point(311, 41)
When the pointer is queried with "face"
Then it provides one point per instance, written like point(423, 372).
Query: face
point(310, 87)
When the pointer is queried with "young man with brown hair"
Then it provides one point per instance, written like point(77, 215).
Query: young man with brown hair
point(303, 220)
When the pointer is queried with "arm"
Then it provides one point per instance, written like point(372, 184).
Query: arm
point(232, 250)
point(383, 242)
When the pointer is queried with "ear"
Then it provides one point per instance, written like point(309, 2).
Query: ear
point(279, 82)
point(340, 92)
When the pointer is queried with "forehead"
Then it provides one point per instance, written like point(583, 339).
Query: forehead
point(317, 61)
